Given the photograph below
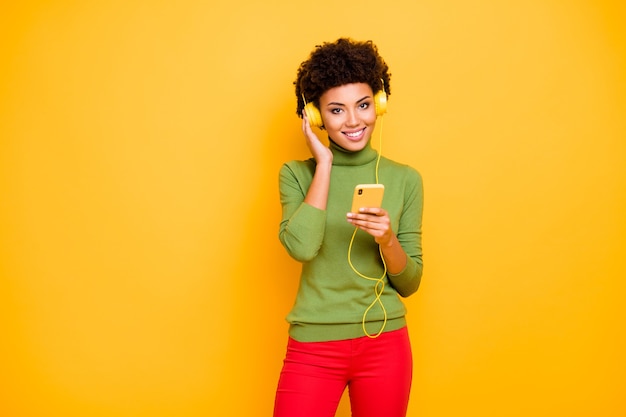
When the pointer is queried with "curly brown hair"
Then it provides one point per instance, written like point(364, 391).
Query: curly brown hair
point(333, 64)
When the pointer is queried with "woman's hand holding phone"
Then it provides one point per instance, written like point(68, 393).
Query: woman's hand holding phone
point(367, 213)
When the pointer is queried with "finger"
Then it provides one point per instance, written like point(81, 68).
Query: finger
point(373, 211)
point(372, 230)
point(362, 215)
point(364, 222)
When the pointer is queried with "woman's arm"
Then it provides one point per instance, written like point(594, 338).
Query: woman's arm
point(317, 195)
point(402, 251)
point(304, 209)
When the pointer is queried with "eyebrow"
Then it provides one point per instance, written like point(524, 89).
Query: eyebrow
point(334, 103)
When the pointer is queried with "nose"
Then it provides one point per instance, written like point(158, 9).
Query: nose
point(352, 119)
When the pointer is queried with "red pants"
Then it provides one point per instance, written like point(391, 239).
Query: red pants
point(377, 371)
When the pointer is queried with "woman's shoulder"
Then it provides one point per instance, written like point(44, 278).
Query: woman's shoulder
point(299, 165)
point(400, 168)
point(298, 168)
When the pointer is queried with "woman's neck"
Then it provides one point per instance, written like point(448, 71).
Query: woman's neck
point(343, 156)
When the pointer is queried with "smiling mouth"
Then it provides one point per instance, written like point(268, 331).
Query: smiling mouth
point(354, 135)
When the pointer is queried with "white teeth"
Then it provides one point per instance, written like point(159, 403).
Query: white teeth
point(354, 134)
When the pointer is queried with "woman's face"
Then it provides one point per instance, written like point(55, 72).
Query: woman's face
point(349, 115)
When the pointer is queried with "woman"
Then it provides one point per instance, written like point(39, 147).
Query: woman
point(347, 326)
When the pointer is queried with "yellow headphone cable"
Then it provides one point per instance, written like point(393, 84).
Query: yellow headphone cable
point(379, 287)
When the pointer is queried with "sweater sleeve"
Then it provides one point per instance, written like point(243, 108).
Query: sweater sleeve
point(302, 225)
point(410, 237)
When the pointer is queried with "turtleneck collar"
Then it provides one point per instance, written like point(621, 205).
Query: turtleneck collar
point(343, 156)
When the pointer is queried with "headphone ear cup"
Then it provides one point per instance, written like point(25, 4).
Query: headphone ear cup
point(313, 114)
point(380, 101)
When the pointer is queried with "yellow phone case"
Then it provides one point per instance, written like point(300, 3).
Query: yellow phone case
point(367, 195)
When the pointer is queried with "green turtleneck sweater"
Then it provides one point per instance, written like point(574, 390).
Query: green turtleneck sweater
point(332, 298)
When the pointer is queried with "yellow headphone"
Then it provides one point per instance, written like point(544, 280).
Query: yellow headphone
point(315, 117)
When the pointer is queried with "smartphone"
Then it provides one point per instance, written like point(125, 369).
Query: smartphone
point(367, 195)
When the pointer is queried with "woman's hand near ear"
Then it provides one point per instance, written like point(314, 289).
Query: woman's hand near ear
point(320, 152)
point(317, 195)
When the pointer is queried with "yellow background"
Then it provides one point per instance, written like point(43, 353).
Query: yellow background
point(141, 274)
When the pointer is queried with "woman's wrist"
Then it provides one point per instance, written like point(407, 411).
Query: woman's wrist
point(324, 166)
